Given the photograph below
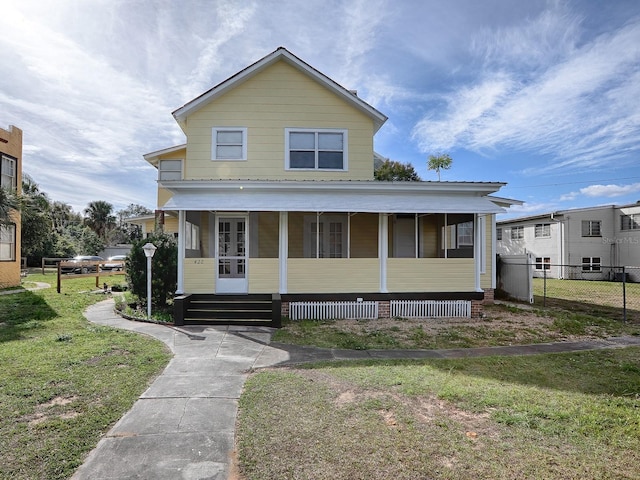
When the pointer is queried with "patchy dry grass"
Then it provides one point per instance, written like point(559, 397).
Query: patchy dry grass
point(63, 382)
point(568, 416)
point(501, 325)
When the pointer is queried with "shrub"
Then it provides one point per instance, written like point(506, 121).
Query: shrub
point(164, 268)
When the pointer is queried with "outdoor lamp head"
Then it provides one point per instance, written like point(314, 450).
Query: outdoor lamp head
point(149, 250)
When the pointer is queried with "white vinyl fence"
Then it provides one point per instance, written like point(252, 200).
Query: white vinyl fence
point(430, 308)
point(333, 310)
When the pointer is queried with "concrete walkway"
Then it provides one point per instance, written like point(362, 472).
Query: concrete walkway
point(39, 286)
point(183, 425)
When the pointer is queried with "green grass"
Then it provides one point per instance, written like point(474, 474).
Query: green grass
point(64, 382)
point(592, 297)
point(568, 416)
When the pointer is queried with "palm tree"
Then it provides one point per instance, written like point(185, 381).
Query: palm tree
point(98, 216)
point(439, 162)
point(9, 202)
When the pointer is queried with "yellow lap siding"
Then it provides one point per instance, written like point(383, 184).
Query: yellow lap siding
point(333, 275)
point(264, 275)
point(430, 275)
point(199, 275)
point(485, 278)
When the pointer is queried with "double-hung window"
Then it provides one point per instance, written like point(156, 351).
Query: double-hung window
point(591, 228)
point(498, 234)
point(465, 234)
point(542, 230)
point(8, 243)
point(170, 170)
point(517, 233)
point(590, 264)
point(228, 143)
point(543, 263)
point(8, 177)
point(630, 222)
point(315, 149)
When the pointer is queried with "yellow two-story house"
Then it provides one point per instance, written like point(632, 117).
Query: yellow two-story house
point(275, 199)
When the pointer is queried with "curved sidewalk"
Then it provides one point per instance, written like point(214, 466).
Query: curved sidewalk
point(183, 425)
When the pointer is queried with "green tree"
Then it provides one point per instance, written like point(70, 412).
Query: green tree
point(391, 170)
point(9, 202)
point(164, 267)
point(38, 236)
point(126, 232)
point(99, 217)
point(439, 162)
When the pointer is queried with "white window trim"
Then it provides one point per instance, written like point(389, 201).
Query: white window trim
point(542, 230)
point(14, 174)
point(345, 149)
point(214, 136)
point(161, 170)
point(8, 232)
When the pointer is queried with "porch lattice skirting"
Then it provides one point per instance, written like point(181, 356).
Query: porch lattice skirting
point(333, 310)
point(430, 308)
point(369, 310)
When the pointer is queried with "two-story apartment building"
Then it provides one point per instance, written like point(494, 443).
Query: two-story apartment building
point(591, 238)
point(11, 179)
point(274, 194)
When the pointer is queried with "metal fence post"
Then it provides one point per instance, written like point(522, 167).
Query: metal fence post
point(544, 288)
point(624, 295)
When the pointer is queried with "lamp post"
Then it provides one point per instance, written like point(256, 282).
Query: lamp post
point(149, 250)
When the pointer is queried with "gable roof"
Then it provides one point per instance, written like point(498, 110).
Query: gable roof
point(280, 54)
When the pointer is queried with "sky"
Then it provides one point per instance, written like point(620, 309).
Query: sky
point(541, 95)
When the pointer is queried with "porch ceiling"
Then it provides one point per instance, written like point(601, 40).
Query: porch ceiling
point(329, 201)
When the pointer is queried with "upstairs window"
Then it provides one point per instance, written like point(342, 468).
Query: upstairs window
point(517, 233)
point(591, 228)
point(315, 149)
point(630, 222)
point(542, 230)
point(8, 177)
point(228, 143)
point(170, 170)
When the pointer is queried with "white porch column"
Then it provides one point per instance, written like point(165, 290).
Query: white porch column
point(181, 232)
point(494, 249)
point(383, 249)
point(477, 245)
point(283, 250)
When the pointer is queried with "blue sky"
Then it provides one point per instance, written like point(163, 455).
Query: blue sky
point(543, 95)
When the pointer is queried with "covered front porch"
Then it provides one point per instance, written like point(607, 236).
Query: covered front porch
point(421, 247)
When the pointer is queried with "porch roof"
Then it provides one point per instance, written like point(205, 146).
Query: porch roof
point(367, 197)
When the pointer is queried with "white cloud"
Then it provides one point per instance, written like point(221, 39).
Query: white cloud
point(610, 190)
point(572, 104)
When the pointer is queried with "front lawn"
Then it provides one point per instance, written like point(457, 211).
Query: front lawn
point(563, 416)
point(64, 382)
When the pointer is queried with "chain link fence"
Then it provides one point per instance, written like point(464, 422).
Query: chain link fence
point(590, 288)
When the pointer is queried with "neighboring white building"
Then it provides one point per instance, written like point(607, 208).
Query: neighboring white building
point(592, 238)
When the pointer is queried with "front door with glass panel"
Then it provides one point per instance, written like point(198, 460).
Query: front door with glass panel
point(232, 255)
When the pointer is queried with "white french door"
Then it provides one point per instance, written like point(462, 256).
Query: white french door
point(232, 254)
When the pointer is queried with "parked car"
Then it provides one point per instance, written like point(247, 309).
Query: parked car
point(116, 262)
point(81, 268)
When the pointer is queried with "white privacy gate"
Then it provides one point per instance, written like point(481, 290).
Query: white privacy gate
point(515, 276)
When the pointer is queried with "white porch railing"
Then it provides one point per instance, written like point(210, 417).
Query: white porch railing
point(333, 310)
point(430, 308)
